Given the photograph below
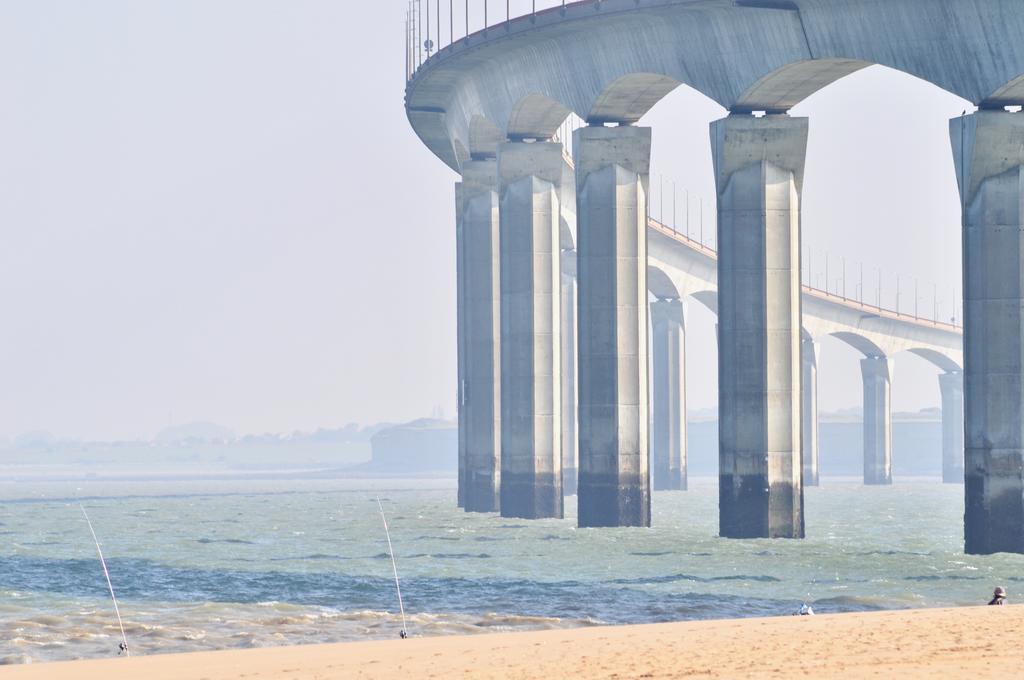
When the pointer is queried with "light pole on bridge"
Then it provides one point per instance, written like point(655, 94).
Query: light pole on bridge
point(916, 299)
point(688, 214)
point(826, 273)
point(673, 205)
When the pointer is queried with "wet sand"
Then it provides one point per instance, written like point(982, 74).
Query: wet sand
point(979, 642)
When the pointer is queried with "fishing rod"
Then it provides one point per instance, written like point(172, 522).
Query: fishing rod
point(124, 638)
point(394, 568)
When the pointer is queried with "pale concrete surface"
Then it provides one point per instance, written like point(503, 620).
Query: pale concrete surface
point(521, 82)
point(877, 375)
point(988, 148)
point(951, 387)
point(809, 439)
point(668, 396)
point(479, 317)
point(570, 450)
point(612, 166)
point(613, 60)
point(682, 268)
point(759, 164)
point(529, 177)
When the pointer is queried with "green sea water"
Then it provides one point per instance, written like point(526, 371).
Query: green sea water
point(211, 565)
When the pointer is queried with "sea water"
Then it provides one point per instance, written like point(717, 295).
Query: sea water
point(204, 565)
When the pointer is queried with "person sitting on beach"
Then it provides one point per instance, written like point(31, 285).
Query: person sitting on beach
point(999, 597)
point(805, 610)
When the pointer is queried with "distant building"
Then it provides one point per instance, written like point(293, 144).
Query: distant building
point(425, 445)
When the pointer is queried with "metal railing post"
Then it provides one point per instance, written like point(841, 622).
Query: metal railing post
point(688, 214)
point(674, 213)
point(661, 198)
point(702, 220)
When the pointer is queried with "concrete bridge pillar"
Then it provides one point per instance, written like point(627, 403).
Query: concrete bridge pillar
point(612, 167)
point(668, 469)
point(479, 320)
point(809, 353)
point(988, 148)
point(530, 176)
point(951, 385)
point(759, 164)
point(877, 373)
point(570, 451)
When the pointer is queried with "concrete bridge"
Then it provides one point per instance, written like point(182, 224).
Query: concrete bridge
point(678, 267)
point(489, 106)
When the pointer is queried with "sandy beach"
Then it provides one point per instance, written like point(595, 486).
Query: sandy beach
point(978, 642)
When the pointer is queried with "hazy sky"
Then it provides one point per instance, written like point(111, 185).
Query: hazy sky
point(216, 210)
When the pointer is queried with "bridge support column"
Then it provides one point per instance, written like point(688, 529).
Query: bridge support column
point(951, 385)
point(612, 167)
point(530, 176)
point(988, 148)
point(479, 320)
point(759, 164)
point(668, 401)
point(809, 355)
point(570, 452)
point(877, 420)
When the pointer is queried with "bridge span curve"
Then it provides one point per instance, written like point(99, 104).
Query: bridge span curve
point(489, 106)
point(612, 60)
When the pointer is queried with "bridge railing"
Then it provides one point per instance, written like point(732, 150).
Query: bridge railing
point(433, 26)
point(854, 303)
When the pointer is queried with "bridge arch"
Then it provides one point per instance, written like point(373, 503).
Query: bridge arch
point(708, 298)
point(944, 362)
point(566, 234)
point(1010, 94)
point(660, 284)
point(484, 137)
point(860, 343)
point(787, 86)
point(536, 116)
point(627, 98)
